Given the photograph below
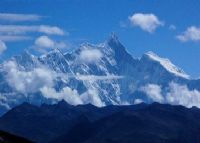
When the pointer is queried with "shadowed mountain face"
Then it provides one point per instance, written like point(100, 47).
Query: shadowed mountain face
point(142, 123)
point(9, 138)
point(104, 74)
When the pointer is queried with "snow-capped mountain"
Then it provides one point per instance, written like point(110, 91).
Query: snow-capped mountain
point(99, 74)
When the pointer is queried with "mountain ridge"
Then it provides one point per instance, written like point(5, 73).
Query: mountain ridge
point(100, 74)
point(141, 123)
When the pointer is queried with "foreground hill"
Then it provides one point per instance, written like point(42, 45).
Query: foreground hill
point(142, 123)
point(9, 138)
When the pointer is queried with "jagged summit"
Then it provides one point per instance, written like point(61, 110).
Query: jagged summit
point(113, 37)
point(24, 55)
point(114, 42)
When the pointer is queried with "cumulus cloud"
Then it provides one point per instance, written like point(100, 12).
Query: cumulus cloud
point(176, 95)
point(92, 96)
point(28, 81)
point(23, 29)
point(154, 92)
point(13, 17)
point(147, 22)
point(72, 97)
point(67, 94)
point(44, 43)
point(90, 55)
point(181, 95)
point(191, 34)
point(2, 47)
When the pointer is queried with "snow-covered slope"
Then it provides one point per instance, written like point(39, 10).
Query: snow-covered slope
point(99, 74)
point(166, 63)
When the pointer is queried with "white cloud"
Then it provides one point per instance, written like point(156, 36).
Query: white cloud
point(28, 81)
point(12, 17)
point(42, 79)
point(52, 30)
point(154, 92)
point(176, 95)
point(191, 34)
point(13, 38)
point(72, 97)
point(138, 101)
point(147, 22)
point(90, 55)
point(23, 29)
point(96, 78)
point(92, 96)
point(181, 95)
point(69, 95)
point(44, 41)
point(2, 47)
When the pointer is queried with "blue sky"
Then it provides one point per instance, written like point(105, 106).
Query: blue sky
point(94, 20)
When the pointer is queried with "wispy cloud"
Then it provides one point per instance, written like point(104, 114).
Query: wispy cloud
point(147, 22)
point(96, 77)
point(21, 32)
point(190, 34)
point(14, 38)
point(13, 17)
point(23, 29)
point(172, 27)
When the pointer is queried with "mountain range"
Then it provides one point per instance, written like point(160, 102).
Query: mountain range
point(141, 123)
point(102, 74)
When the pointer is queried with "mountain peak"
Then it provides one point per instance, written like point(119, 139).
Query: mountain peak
point(26, 59)
point(26, 54)
point(113, 38)
point(167, 64)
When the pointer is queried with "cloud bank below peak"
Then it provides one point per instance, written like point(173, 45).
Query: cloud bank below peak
point(176, 95)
